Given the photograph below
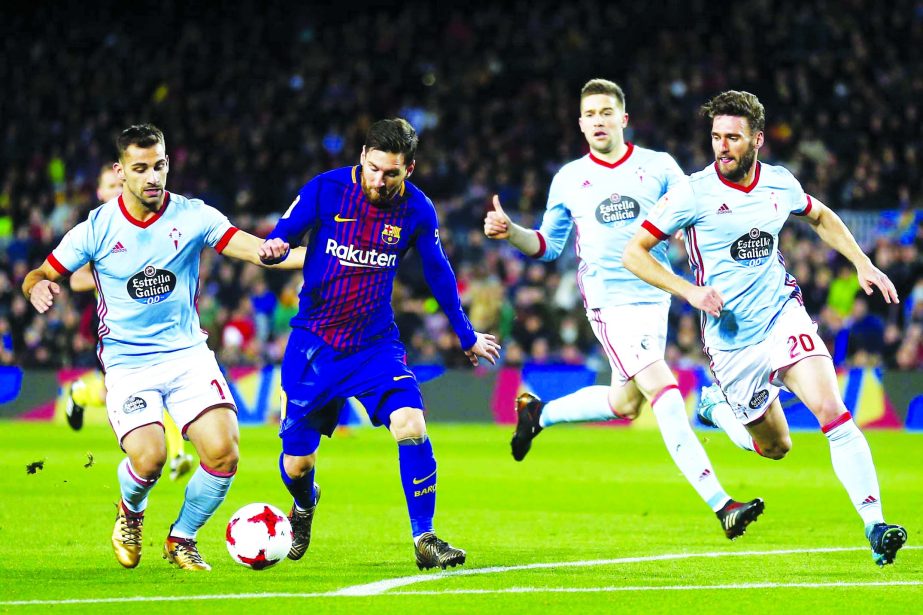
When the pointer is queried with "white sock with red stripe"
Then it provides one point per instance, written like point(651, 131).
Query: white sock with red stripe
point(583, 406)
point(133, 487)
point(852, 462)
point(684, 447)
point(723, 417)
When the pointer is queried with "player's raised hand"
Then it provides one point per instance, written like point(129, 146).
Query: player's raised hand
point(43, 294)
point(486, 347)
point(706, 299)
point(497, 223)
point(273, 251)
point(870, 276)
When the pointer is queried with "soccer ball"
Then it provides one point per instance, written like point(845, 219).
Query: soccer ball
point(258, 536)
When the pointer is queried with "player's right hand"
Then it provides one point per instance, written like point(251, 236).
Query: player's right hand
point(42, 295)
point(497, 223)
point(707, 299)
point(485, 346)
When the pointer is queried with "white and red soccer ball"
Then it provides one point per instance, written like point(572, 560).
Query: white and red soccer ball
point(258, 536)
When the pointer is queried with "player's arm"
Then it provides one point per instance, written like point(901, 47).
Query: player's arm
point(82, 280)
point(40, 286)
point(273, 253)
point(832, 231)
point(638, 260)
point(498, 225)
point(441, 280)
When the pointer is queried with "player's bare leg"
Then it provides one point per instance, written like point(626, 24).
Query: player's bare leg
point(137, 473)
point(215, 435)
point(813, 381)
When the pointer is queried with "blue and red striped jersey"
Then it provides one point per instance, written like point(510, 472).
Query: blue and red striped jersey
point(353, 253)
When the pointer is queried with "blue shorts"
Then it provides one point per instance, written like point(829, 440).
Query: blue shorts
point(317, 380)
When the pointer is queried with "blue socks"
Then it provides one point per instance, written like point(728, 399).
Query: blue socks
point(302, 489)
point(204, 494)
point(418, 477)
point(134, 488)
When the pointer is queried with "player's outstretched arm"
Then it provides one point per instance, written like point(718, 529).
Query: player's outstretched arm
point(832, 231)
point(274, 253)
point(82, 281)
point(498, 225)
point(638, 260)
point(485, 347)
point(40, 287)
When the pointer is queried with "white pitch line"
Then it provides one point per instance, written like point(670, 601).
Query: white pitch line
point(380, 587)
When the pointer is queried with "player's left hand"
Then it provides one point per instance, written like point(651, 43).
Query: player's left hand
point(273, 251)
point(870, 276)
point(486, 347)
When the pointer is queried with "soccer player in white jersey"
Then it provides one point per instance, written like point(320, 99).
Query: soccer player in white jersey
point(145, 247)
point(755, 328)
point(606, 194)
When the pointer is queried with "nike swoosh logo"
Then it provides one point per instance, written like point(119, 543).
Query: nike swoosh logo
point(396, 378)
point(337, 218)
point(417, 481)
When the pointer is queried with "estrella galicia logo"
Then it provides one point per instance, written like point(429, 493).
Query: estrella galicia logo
point(618, 210)
point(759, 398)
point(133, 404)
point(752, 249)
point(151, 285)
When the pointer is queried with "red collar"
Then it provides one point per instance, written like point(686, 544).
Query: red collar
point(612, 165)
point(730, 184)
point(149, 221)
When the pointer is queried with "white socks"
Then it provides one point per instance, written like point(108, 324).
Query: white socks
point(586, 405)
point(852, 462)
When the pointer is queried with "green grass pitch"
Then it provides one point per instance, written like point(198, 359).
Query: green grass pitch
point(596, 519)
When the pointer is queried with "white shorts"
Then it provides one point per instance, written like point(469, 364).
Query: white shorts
point(750, 376)
point(186, 387)
point(633, 336)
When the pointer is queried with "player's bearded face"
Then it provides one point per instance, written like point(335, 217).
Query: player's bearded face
point(145, 174)
point(734, 146)
point(383, 175)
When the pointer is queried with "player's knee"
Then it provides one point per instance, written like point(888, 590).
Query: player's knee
point(224, 458)
point(407, 423)
point(298, 467)
point(828, 409)
point(628, 410)
point(148, 462)
point(777, 449)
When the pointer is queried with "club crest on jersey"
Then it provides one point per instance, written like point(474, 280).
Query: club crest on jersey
point(175, 236)
point(391, 234)
point(618, 210)
point(151, 285)
point(752, 249)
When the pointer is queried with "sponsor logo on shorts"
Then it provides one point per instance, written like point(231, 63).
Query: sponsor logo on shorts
point(753, 249)
point(151, 285)
point(759, 399)
point(133, 404)
point(396, 378)
point(618, 210)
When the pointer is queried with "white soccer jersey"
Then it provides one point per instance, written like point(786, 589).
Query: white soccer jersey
point(147, 276)
point(607, 201)
point(732, 237)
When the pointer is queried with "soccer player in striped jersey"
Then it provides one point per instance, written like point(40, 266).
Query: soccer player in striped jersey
point(755, 328)
point(344, 342)
point(605, 195)
point(90, 389)
point(145, 247)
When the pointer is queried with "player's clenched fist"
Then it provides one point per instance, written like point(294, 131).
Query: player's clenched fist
point(497, 223)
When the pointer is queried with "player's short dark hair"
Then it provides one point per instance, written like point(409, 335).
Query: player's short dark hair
point(395, 136)
point(142, 135)
point(739, 104)
point(603, 86)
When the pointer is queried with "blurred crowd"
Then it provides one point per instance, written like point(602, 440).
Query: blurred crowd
point(256, 101)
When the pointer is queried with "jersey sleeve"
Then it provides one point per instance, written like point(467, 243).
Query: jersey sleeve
point(800, 203)
point(217, 230)
point(672, 175)
point(441, 279)
point(77, 248)
point(556, 223)
point(300, 215)
point(675, 210)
